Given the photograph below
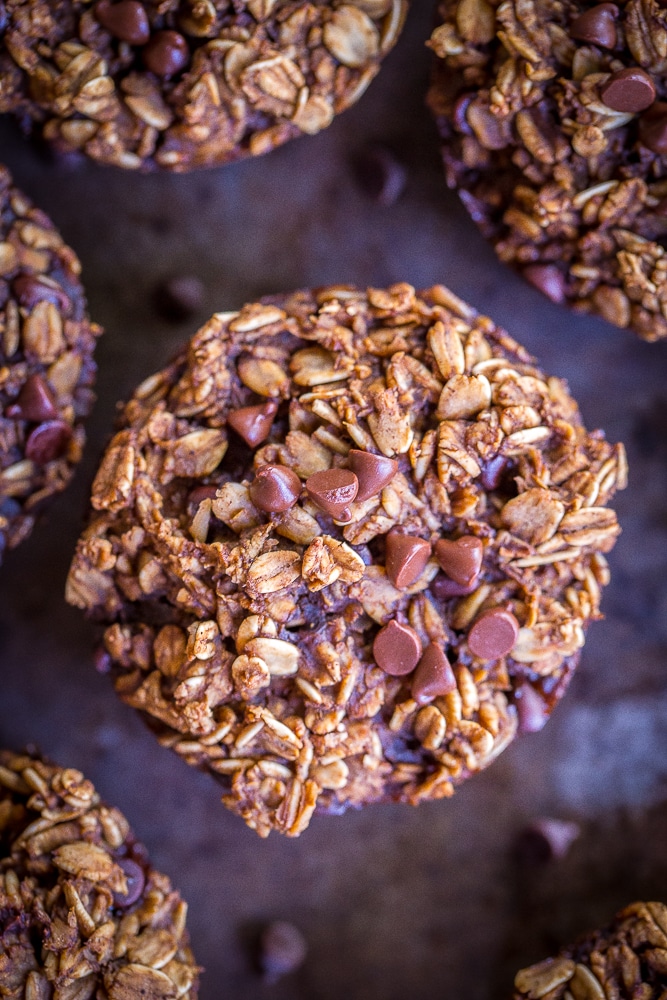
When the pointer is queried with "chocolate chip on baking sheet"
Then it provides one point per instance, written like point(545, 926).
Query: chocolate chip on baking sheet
point(374, 472)
point(380, 175)
point(275, 488)
point(180, 297)
point(397, 649)
point(548, 279)
point(283, 949)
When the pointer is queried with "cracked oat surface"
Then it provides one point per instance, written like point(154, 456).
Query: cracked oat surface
point(627, 960)
point(568, 181)
point(82, 912)
point(184, 85)
point(247, 637)
point(46, 362)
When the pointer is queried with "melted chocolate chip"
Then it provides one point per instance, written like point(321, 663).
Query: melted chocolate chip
point(548, 279)
point(275, 488)
point(200, 493)
point(30, 289)
point(653, 128)
point(35, 402)
point(135, 879)
point(630, 90)
point(253, 423)
point(444, 588)
point(374, 472)
point(493, 634)
point(333, 490)
point(493, 472)
point(166, 53)
point(461, 559)
point(397, 649)
point(405, 558)
point(126, 20)
point(433, 677)
point(48, 441)
point(596, 26)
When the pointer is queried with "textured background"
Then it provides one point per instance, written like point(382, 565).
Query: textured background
point(394, 902)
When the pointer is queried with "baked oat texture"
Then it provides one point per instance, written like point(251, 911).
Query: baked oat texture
point(82, 913)
point(46, 362)
point(178, 85)
point(553, 116)
point(627, 960)
point(247, 618)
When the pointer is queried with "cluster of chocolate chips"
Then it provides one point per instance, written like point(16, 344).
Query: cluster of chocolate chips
point(630, 90)
point(397, 648)
point(164, 53)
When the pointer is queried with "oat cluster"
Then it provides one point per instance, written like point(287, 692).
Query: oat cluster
point(268, 624)
point(554, 120)
point(83, 915)
point(46, 362)
point(179, 85)
point(626, 959)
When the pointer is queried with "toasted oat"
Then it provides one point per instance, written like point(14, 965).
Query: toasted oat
point(259, 664)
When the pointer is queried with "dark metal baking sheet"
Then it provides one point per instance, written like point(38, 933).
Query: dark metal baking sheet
point(394, 902)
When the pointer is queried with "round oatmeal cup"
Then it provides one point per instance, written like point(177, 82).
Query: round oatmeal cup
point(181, 85)
point(345, 547)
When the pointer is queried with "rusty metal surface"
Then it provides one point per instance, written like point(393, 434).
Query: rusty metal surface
point(394, 902)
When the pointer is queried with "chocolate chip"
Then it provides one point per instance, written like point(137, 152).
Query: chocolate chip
point(630, 90)
point(405, 558)
point(35, 401)
point(200, 493)
point(374, 472)
point(433, 677)
point(30, 289)
point(460, 559)
point(596, 26)
point(253, 423)
point(180, 297)
point(531, 707)
point(102, 660)
point(166, 53)
point(548, 279)
point(459, 112)
point(283, 950)
point(653, 128)
point(493, 471)
point(135, 879)
point(493, 634)
point(546, 839)
point(126, 20)
point(380, 175)
point(48, 441)
point(444, 588)
point(333, 490)
point(275, 488)
point(397, 649)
